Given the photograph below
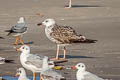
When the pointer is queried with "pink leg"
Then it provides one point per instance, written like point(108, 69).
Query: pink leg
point(70, 4)
point(58, 49)
point(64, 57)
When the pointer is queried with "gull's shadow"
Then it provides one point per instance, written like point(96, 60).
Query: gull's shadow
point(68, 56)
point(9, 61)
point(16, 78)
point(76, 6)
point(26, 43)
point(2, 38)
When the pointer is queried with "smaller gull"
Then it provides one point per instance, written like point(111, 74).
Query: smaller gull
point(32, 62)
point(48, 73)
point(82, 74)
point(22, 74)
point(18, 30)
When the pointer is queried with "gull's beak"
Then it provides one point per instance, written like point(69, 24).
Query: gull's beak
point(16, 75)
point(39, 24)
point(73, 67)
point(18, 50)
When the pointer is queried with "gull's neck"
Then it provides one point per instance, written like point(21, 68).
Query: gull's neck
point(80, 74)
point(21, 21)
point(23, 73)
point(45, 64)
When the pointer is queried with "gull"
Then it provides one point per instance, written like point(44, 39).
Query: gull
point(18, 30)
point(62, 35)
point(32, 62)
point(82, 74)
point(22, 74)
point(48, 73)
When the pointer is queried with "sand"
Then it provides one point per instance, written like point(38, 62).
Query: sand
point(96, 19)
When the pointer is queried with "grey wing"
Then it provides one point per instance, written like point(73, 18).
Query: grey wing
point(52, 74)
point(35, 60)
point(19, 28)
point(63, 33)
point(90, 76)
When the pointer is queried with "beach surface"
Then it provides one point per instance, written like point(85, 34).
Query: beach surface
point(96, 19)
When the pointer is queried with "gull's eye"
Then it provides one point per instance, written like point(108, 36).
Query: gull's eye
point(78, 65)
point(26, 48)
point(23, 48)
point(82, 66)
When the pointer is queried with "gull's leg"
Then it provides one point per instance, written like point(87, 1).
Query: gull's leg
point(16, 42)
point(64, 57)
point(70, 4)
point(21, 41)
point(40, 78)
point(58, 49)
point(33, 75)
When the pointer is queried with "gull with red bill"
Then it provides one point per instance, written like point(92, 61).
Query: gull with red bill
point(22, 74)
point(32, 62)
point(82, 74)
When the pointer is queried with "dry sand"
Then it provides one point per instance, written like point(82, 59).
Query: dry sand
point(96, 19)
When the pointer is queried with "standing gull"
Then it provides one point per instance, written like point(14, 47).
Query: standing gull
point(82, 74)
point(48, 73)
point(32, 62)
point(18, 30)
point(22, 74)
point(62, 35)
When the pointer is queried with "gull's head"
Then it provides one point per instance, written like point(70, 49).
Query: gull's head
point(24, 49)
point(47, 22)
point(19, 72)
point(21, 20)
point(80, 66)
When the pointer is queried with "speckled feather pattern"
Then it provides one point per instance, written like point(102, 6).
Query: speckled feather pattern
point(63, 34)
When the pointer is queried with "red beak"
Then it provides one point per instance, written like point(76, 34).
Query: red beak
point(16, 75)
point(73, 67)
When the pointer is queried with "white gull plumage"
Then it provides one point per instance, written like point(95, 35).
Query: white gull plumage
point(82, 74)
point(22, 74)
point(32, 62)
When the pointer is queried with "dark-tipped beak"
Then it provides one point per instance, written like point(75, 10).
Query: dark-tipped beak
point(73, 67)
point(39, 24)
point(16, 75)
point(18, 50)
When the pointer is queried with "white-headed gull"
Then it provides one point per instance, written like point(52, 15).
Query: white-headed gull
point(22, 74)
point(32, 62)
point(82, 74)
point(62, 35)
point(18, 30)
